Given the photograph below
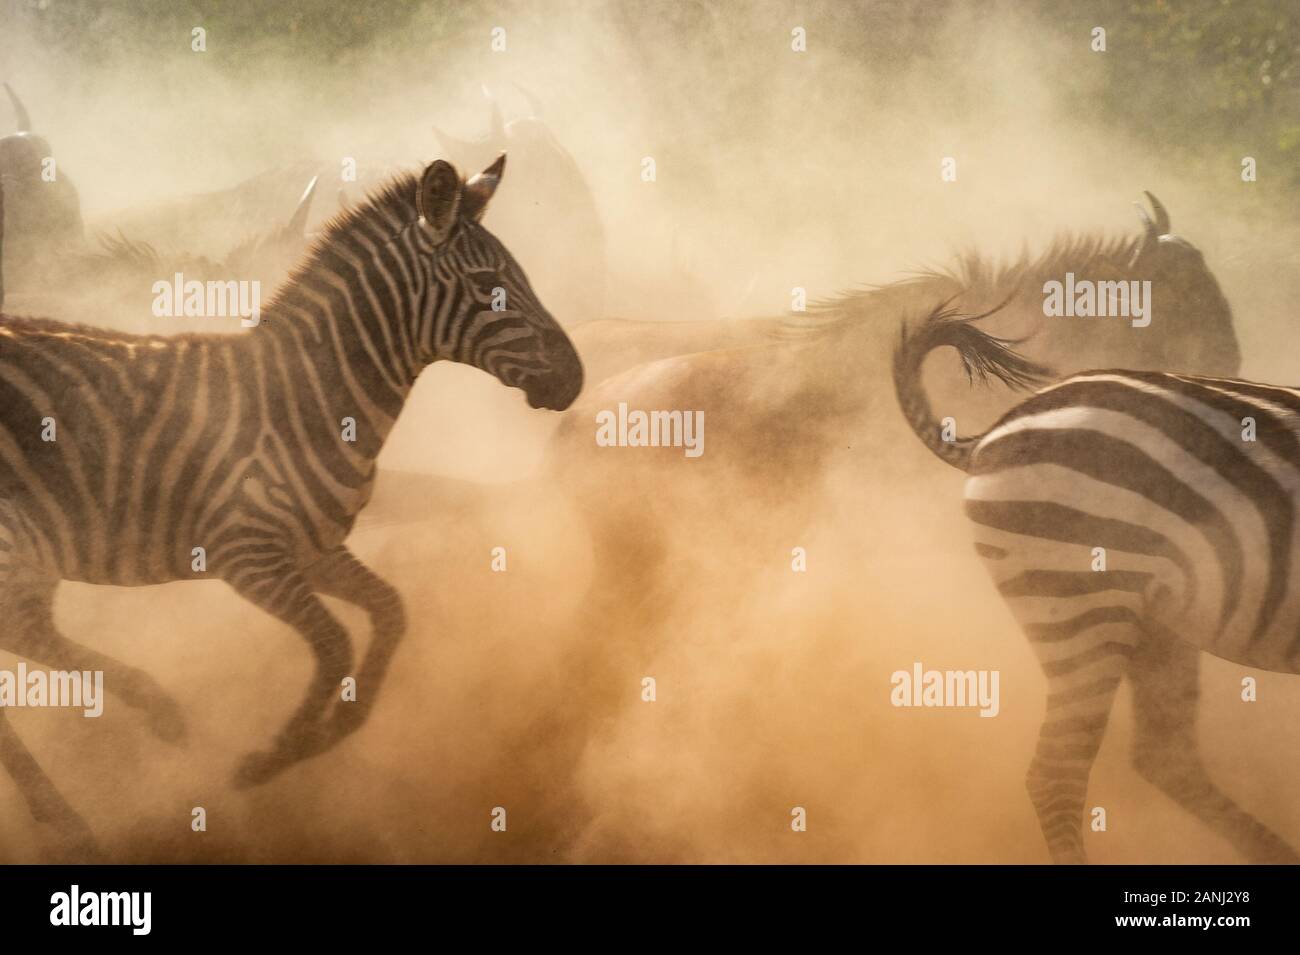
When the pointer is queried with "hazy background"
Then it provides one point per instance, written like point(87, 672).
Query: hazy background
point(775, 169)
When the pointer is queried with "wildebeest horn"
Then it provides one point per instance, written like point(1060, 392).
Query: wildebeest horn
point(1162, 215)
point(20, 111)
point(1150, 239)
point(477, 192)
point(1149, 226)
point(534, 104)
point(298, 221)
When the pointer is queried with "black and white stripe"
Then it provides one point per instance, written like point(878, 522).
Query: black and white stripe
point(1197, 525)
point(234, 443)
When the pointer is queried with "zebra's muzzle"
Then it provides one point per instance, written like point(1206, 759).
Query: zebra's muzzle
point(557, 392)
point(559, 388)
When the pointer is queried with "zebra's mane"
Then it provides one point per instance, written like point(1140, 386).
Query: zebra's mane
point(973, 276)
point(393, 201)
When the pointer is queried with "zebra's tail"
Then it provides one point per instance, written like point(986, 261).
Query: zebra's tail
point(982, 355)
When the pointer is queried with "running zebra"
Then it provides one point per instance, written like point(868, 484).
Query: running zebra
point(121, 456)
point(1130, 520)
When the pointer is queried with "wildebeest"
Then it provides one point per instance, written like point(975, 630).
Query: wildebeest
point(117, 276)
point(783, 397)
point(553, 223)
point(52, 268)
point(266, 257)
point(777, 412)
point(781, 416)
point(43, 209)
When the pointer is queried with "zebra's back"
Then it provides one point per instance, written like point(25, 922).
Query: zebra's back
point(1166, 500)
point(114, 447)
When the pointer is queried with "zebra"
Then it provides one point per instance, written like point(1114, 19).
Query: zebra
point(1148, 473)
point(259, 448)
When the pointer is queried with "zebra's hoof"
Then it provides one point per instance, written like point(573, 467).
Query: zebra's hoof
point(1273, 851)
point(83, 852)
point(255, 769)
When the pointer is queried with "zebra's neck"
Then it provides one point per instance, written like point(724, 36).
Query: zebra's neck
point(338, 341)
point(330, 358)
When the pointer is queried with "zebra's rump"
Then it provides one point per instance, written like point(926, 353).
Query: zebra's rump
point(1169, 496)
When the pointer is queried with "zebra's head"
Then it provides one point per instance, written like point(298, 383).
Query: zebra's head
point(485, 313)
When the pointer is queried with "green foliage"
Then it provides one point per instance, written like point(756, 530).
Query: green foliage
point(1193, 72)
point(94, 31)
point(1216, 79)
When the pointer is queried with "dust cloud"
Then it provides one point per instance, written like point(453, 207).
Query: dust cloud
point(523, 689)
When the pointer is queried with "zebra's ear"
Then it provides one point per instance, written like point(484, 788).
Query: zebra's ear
point(481, 188)
point(438, 199)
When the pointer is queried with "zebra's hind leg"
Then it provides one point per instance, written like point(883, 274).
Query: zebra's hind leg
point(74, 841)
point(282, 590)
point(340, 574)
point(30, 600)
point(1084, 657)
point(1164, 672)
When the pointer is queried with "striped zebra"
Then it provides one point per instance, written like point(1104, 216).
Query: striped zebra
point(1196, 523)
point(240, 445)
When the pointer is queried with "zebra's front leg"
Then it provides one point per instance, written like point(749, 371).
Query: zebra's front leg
point(1165, 675)
point(283, 591)
point(340, 574)
point(26, 599)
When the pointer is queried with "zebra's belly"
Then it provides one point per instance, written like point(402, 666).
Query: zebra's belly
point(129, 577)
point(127, 564)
